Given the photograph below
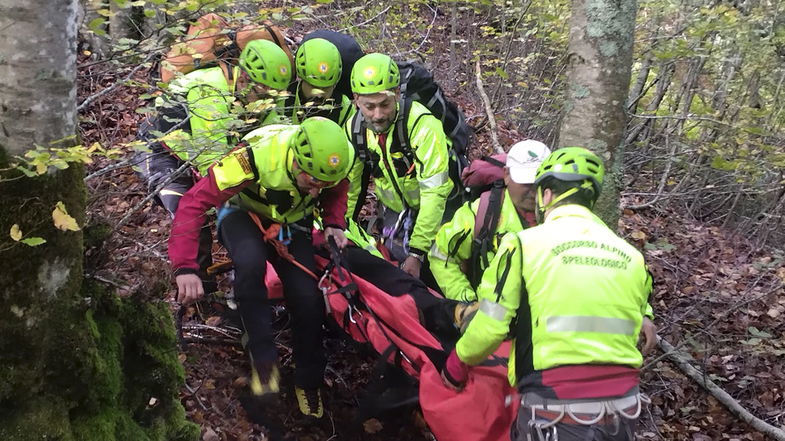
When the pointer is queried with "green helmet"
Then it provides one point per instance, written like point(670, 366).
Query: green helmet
point(265, 62)
point(322, 149)
point(573, 164)
point(374, 73)
point(318, 62)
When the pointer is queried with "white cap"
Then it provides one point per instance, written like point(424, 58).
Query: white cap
point(524, 158)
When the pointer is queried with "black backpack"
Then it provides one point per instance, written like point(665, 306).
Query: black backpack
point(350, 52)
point(417, 84)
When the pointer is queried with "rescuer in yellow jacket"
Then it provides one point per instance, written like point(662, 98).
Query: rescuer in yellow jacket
point(193, 125)
point(197, 112)
point(577, 294)
point(411, 186)
point(285, 174)
point(314, 93)
point(467, 243)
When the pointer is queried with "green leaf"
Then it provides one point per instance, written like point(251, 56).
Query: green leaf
point(33, 241)
point(660, 244)
point(29, 173)
point(720, 163)
point(755, 332)
point(149, 13)
point(97, 26)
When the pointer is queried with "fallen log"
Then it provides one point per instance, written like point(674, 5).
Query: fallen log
point(683, 361)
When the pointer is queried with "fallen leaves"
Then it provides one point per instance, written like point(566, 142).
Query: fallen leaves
point(721, 300)
point(372, 426)
point(210, 435)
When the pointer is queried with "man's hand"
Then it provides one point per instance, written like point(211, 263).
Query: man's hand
point(412, 266)
point(338, 235)
point(649, 332)
point(455, 373)
point(189, 288)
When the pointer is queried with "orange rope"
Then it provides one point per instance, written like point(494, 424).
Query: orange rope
point(270, 235)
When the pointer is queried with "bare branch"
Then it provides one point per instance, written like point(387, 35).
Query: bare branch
point(683, 361)
point(509, 49)
point(427, 34)
point(366, 21)
point(132, 160)
point(488, 110)
point(114, 86)
point(663, 179)
point(681, 118)
point(152, 194)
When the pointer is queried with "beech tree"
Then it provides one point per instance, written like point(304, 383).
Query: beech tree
point(600, 59)
point(78, 362)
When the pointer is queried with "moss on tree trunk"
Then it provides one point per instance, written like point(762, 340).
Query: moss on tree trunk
point(78, 363)
point(113, 375)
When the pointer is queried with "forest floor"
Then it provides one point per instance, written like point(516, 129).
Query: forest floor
point(716, 298)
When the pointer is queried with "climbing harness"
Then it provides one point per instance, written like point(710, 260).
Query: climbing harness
point(577, 413)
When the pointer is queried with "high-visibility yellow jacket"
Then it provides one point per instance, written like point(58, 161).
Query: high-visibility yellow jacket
point(423, 186)
point(257, 178)
point(206, 136)
point(579, 293)
point(451, 251)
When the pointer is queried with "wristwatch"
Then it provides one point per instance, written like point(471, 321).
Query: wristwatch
point(420, 257)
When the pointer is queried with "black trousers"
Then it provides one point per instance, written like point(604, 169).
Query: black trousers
point(250, 254)
point(437, 313)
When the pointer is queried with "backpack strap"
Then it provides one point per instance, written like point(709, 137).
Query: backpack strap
point(360, 143)
point(232, 49)
point(486, 221)
point(273, 35)
point(439, 97)
point(492, 160)
point(401, 131)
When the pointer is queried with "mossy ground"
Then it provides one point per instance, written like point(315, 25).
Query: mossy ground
point(112, 374)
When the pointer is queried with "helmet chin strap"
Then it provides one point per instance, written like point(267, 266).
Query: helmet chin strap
point(540, 212)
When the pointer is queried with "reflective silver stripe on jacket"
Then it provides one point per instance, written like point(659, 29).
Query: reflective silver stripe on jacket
point(385, 194)
point(435, 180)
point(493, 310)
point(437, 253)
point(583, 323)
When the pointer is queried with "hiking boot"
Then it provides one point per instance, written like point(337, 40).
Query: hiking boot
point(265, 378)
point(310, 401)
point(464, 313)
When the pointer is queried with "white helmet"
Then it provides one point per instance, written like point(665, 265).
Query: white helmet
point(524, 158)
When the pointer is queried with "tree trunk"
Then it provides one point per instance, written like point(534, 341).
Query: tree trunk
point(121, 22)
point(600, 51)
point(78, 363)
point(98, 44)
